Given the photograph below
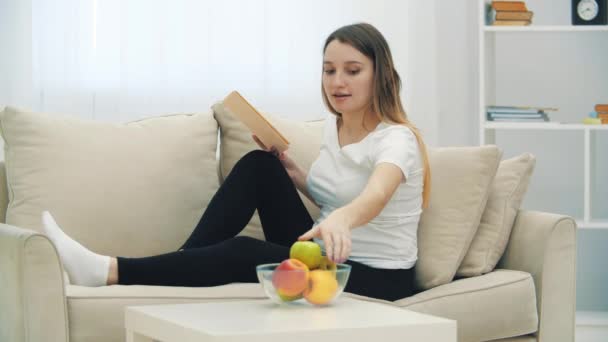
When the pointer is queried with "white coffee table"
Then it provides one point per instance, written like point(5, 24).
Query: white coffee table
point(263, 321)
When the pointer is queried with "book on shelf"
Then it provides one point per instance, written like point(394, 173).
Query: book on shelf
point(511, 15)
point(519, 109)
point(520, 120)
point(514, 116)
point(512, 6)
point(512, 22)
point(518, 114)
point(601, 107)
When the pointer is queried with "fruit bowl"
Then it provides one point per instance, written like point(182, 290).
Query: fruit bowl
point(297, 284)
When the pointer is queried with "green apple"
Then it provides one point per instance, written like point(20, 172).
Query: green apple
point(307, 252)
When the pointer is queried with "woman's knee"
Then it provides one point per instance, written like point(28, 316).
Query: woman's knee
point(241, 241)
point(259, 159)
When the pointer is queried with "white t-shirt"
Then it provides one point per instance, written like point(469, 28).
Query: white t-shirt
point(339, 175)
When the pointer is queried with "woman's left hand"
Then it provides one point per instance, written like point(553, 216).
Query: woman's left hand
point(335, 232)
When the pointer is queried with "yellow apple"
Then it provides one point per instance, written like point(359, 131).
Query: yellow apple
point(322, 287)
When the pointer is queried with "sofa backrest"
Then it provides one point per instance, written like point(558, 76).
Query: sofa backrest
point(89, 175)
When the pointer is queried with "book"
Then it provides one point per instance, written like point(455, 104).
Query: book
point(510, 15)
point(518, 109)
point(511, 22)
point(513, 6)
point(515, 116)
point(521, 120)
point(255, 121)
point(601, 107)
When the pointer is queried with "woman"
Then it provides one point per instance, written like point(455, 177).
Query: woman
point(371, 181)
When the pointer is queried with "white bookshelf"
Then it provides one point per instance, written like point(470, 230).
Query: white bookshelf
point(591, 326)
point(488, 94)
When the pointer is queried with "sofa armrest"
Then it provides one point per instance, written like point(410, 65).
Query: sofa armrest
point(32, 296)
point(544, 245)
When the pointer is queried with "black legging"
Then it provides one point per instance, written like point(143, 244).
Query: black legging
point(212, 255)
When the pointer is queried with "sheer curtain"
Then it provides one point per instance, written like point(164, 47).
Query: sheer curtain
point(119, 60)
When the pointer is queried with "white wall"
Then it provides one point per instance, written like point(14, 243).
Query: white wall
point(457, 70)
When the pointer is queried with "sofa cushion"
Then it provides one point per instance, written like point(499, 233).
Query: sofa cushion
point(460, 182)
point(506, 194)
point(496, 305)
point(87, 304)
point(236, 140)
point(132, 189)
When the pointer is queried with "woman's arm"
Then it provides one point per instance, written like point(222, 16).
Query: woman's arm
point(335, 229)
point(381, 186)
point(299, 179)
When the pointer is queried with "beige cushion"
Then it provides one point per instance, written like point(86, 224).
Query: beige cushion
point(235, 141)
point(506, 195)
point(496, 305)
point(461, 178)
point(131, 189)
point(504, 305)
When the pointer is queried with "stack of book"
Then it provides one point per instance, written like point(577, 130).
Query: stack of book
point(599, 116)
point(518, 114)
point(510, 13)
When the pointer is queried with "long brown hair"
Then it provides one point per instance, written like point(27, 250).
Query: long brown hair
point(386, 102)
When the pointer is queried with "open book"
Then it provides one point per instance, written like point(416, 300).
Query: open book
point(255, 121)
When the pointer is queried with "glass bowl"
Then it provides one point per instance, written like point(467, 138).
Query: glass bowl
point(317, 287)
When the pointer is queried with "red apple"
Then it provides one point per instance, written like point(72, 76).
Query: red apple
point(290, 278)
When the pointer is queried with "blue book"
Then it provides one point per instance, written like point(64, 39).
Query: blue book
point(515, 115)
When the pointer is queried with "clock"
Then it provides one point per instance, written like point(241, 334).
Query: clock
point(589, 12)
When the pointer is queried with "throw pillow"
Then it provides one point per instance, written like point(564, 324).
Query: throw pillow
point(506, 195)
point(460, 183)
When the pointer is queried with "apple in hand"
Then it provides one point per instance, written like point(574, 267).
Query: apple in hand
point(290, 278)
point(307, 252)
point(322, 287)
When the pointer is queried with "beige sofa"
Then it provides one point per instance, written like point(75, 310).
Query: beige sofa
point(137, 189)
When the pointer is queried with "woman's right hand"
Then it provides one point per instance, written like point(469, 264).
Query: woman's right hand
point(287, 162)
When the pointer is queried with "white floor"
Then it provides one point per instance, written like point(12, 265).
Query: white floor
point(591, 326)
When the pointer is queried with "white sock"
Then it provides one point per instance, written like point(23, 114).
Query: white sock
point(83, 266)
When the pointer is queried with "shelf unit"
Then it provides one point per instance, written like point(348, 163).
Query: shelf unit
point(488, 129)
